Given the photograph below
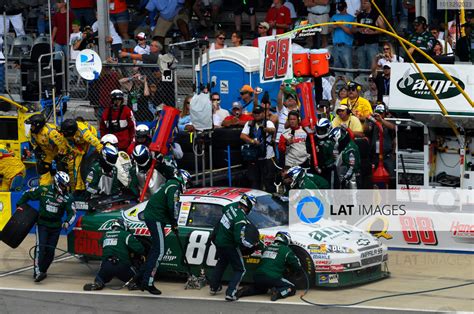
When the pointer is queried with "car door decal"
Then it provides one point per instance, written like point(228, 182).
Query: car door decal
point(198, 249)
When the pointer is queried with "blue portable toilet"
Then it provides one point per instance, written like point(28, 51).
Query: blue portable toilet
point(232, 68)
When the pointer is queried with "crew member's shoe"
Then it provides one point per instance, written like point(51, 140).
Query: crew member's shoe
point(132, 286)
point(275, 294)
point(152, 289)
point(41, 277)
point(231, 298)
point(93, 286)
point(215, 291)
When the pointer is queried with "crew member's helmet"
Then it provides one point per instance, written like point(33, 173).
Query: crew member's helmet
point(119, 224)
point(116, 94)
point(283, 237)
point(110, 154)
point(142, 134)
point(141, 155)
point(109, 139)
point(69, 127)
point(183, 178)
point(37, 122)
point(248, 201)
point(296, 173)
point(62, 182)
point(323, 127)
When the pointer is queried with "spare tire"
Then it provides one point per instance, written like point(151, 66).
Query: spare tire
point(19, 225)
point(305, 278)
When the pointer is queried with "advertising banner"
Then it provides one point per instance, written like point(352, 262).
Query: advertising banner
point(276, 62)
point(408, 91)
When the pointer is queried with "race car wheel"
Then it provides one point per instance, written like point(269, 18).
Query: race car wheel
point(17, 228)
point(306, 277)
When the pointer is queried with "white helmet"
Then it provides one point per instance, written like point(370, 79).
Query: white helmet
point(296, 173)
point(109, 139)
point(323, 128)
point(62, 182)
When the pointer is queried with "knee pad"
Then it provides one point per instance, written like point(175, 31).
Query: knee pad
point(43, 167)
point(287, 292)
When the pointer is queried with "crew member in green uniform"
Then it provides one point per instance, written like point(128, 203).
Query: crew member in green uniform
point(54, 201)
point(229, 236)
point(325, 152)
point(297, 178)
point(117, 245)
point(347, 160)
point(276, 258)
point(160, 211)
point(422, 38)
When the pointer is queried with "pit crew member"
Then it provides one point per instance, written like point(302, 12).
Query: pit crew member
point(347, 158)
point(12, 170)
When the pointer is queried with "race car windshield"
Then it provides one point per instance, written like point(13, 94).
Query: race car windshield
point(269, 212)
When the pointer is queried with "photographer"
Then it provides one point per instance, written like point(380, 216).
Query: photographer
point(258, 150)
point(137, 89)
point(88, 40)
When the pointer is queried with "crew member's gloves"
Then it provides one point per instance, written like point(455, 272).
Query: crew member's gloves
point(65, 225)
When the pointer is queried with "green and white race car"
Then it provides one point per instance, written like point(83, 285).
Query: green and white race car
point(332, 255)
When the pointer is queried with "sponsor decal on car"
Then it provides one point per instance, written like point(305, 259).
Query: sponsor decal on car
point(87, 242)
point(323, 278)
point(169, 257)
point(363, 242)
point(336, 268)
point(333, 278)
point(319, 256)
point(338, 249)
point(462, 231)
point(317, 248)
point(322, 268)
point(322, 262)
point(371, 253)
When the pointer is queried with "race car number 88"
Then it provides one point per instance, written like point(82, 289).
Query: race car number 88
point(198, 247)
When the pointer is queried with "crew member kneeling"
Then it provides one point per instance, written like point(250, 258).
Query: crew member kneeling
point(117, 245)
point(269, 274)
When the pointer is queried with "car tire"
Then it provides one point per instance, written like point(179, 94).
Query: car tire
point(19, 225)
point(305, 278)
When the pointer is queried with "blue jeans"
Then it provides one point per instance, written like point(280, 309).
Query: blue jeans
point(226, 256)
point(342, 57)
point(63, 48)
point(366, 55)
point(156, 253)
point(46, 241)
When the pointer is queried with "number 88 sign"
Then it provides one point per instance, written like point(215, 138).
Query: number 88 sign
point(275, 59)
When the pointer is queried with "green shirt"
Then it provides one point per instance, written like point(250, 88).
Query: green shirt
point(325, 153)
point(275, 259)
point(98, 181)
point(118, 243)
point(52, 205)
point(425, 41)
point(229, 229)
point(313, 182)
point(161, 206)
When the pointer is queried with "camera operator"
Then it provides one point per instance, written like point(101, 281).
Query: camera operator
point(258, 150)
point(88, 40)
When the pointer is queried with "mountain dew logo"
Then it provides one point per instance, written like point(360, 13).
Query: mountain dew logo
point(414, 86)
point(138, 228)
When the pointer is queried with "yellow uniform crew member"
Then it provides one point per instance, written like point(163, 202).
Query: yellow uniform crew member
point(48, 144)
point(12, 170)
point(80, 136)
point(359, 106)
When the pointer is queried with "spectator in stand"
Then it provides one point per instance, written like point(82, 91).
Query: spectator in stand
point(246, 97)
point(118, 120)
point(154, 98)
point(151, 58)
point(383, 82)
point(367, 38)
point(338, 91)
point(220, 41)
point(237, 119)
point(371, 94)
point(247, 6)
point(261, 171)
point(84, 11)
point(87, 40)
point(421, 38)
point(292, 142)
point(75, 37)
point(388, 56)
point(464, 46)
point(437, 49)
point(286, 102)
point(353, 7)
point(278, 17)
point(446, 47)
point(184, 122)
point(118, 13)
point(262, 31)
point(113, 38)
point(171, 12)
point(236, 39)
point(318, 12)
point(341, 94)
point(141, 48)
point(359, 106)
point(342, 38)
point(59, 32)
point(345, 117)
point(13, 15)
point(137, 89)
point(216, 106)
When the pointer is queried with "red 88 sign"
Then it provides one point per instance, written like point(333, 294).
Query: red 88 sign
point(276, 58)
